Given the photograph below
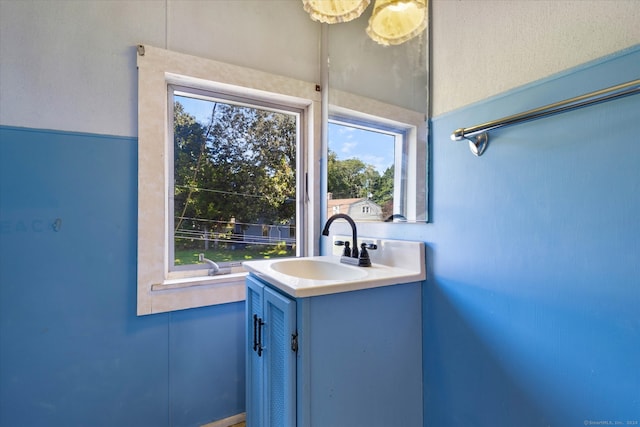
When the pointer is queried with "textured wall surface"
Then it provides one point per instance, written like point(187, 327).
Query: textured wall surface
point(72, 350)
point(71, 65)
point(482, 48)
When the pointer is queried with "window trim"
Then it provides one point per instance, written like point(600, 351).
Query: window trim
point(157, 68)
point(352, 109)
point(403, 139)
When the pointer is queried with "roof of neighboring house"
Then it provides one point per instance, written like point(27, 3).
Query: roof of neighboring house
point(350, 207)
point(343, 204)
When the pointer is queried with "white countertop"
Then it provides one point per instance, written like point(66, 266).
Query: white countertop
point(397, 270)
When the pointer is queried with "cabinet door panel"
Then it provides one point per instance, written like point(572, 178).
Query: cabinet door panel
point(279, 359)
point(255, 365)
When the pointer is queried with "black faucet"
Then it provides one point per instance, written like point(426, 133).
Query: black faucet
point(354, 257)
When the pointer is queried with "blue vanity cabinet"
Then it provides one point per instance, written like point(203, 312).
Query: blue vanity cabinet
point(358, 360)
point(271, 360)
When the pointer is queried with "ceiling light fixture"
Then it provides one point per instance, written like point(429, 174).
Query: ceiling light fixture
point(395, 21)
point(392, 22)
point(334, 11)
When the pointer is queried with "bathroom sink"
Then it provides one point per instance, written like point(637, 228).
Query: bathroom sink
point(314, 269)
point(393, 262)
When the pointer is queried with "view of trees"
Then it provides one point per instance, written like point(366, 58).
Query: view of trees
point(236, 171)
point(352, 178)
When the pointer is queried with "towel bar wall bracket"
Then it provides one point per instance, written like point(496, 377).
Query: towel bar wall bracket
point(478, 143)
point(478, 136)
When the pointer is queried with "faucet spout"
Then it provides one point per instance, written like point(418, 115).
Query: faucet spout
point(354, 237)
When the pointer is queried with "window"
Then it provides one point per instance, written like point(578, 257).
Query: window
point(234, 182)
point(408, 131)
point(364, 167)
point(224, 157)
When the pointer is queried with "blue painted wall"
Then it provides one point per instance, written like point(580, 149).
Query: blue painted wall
point(532, 303)
point(72, 350)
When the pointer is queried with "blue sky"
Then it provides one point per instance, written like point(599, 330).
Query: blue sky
point(373, 148)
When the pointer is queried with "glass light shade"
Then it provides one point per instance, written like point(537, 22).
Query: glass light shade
point(396, 21)
point(335, 11)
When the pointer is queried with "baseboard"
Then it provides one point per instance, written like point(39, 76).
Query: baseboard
point(227, 422)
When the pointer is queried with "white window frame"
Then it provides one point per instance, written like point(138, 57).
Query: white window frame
point(410, 147)
point(402, 140)
point(158, 292)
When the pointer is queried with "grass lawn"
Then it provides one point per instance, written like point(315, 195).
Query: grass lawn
point(228, 254)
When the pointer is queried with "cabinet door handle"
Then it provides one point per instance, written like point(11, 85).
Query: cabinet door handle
point(255, 332)
point(260, 324)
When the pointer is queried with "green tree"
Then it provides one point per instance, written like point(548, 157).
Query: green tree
point(383, 189)
point(241, 165)
point(351, 178)
point(273, 138)
point(189, 158)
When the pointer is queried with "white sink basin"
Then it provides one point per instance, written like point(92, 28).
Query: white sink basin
point(314, 269)
point(393, 262)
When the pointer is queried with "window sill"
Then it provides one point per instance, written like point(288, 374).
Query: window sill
point(180, 294)
point(188, 282)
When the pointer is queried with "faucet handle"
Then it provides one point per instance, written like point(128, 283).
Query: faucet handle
point(363, 259)
point(347, 249)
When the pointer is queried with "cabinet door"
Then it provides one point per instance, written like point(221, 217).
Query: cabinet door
point(254, 359)
point(279, 359)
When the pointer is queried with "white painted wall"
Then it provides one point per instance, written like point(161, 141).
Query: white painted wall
point(485, 47)
point(71, 65)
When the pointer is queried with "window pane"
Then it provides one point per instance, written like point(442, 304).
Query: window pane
point(234, 182)
point(360, 172)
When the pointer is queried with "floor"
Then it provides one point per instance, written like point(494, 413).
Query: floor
point(242, 424)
